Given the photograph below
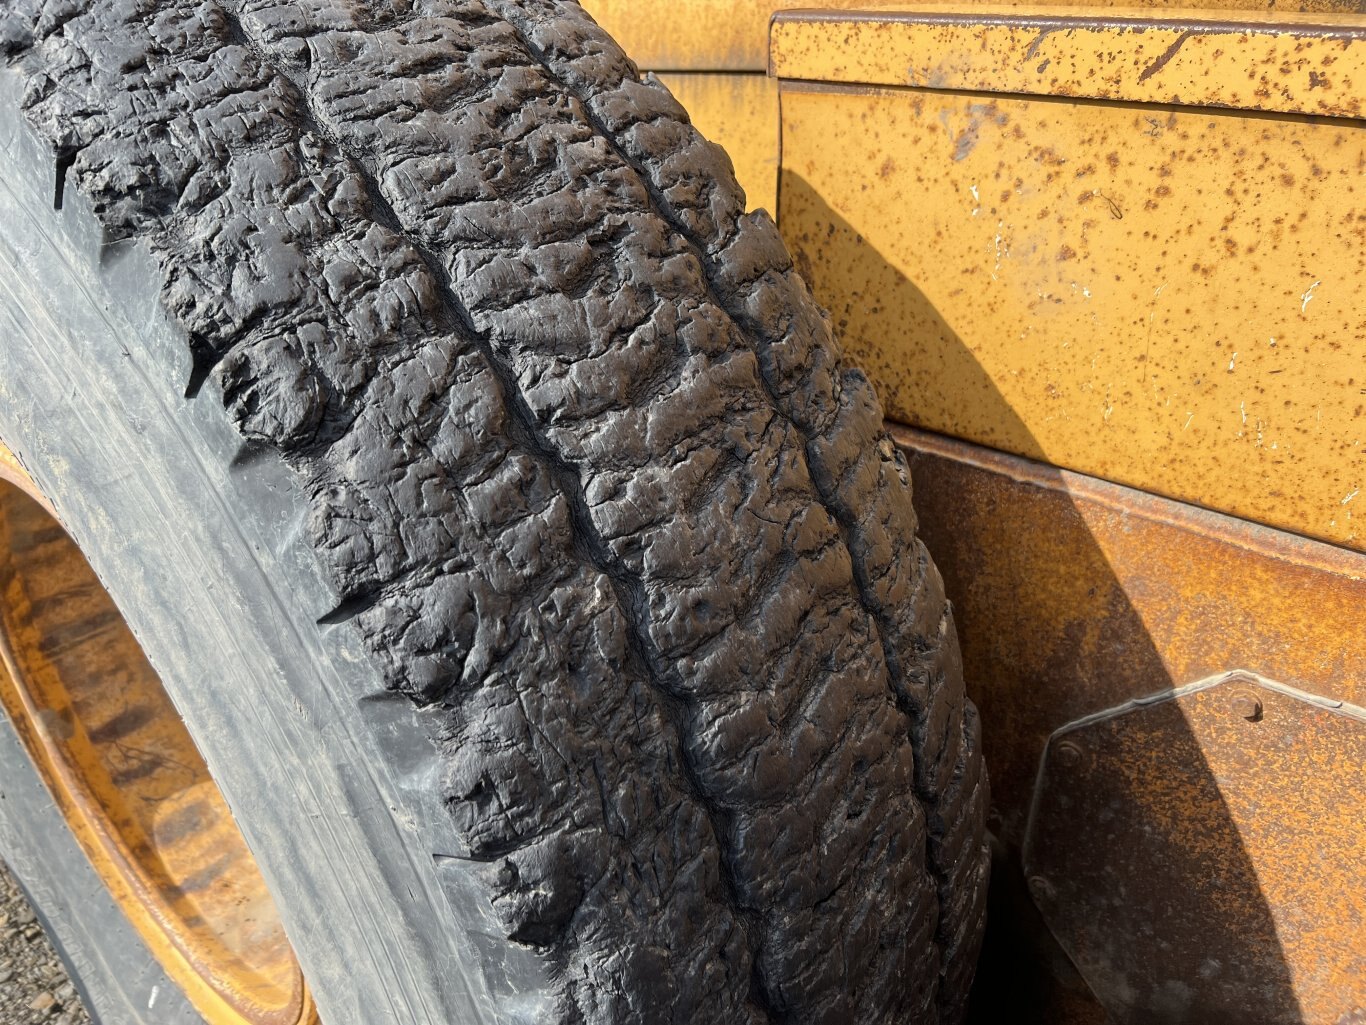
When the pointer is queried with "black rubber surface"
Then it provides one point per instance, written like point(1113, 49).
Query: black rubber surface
point(578, 457)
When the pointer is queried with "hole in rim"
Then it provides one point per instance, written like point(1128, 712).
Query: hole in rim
point(106, 738)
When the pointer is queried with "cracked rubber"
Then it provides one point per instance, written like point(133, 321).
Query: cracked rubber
point(582, 466)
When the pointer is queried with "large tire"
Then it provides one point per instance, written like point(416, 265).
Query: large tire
point(488, 490)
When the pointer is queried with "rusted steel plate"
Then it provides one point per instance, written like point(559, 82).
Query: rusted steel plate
point(1072, 596)
point(740, 113)
point(716, 35)
point(1307, 64)
point(1200, 856)
point(1162, 297)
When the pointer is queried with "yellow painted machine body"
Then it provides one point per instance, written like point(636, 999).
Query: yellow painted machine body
point(1106, 268)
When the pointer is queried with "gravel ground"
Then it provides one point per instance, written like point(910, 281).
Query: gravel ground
point(33, 985)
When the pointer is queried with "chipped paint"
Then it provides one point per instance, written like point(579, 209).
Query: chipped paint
point(1308, 296)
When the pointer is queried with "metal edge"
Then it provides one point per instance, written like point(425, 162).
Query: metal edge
point(1344, 708)
point(1349, 27)
point(1271, 542)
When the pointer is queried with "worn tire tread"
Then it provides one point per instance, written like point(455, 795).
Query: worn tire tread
point(586, 469)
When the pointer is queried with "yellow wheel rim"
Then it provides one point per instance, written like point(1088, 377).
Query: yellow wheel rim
point(120, 764)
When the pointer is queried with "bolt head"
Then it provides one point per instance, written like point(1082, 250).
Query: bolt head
point(1041, 889)
point(1068, 754)
point(1246, 705)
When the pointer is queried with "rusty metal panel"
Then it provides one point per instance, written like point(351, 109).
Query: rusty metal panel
point(1164, 297)
point(716, 35)
point(739, 112)
point(1308, 63)
point(1073, 596)
point(1200, 856)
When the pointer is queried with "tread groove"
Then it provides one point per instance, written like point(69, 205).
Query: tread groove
point(561, 483)
point(587, 540)
point(840, 511)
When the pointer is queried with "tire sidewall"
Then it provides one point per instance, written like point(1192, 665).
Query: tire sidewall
point(200, 543)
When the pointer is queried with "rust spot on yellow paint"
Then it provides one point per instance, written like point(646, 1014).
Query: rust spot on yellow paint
point(1192, 58)
point(1119, 254)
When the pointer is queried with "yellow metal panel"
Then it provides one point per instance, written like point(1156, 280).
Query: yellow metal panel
point(1310, 64)
point(715, 35)
point(1167, 298)
point(740, 112)
point(698, 35)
